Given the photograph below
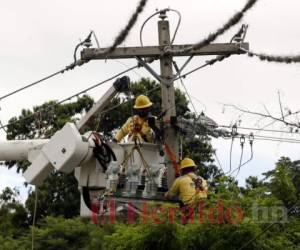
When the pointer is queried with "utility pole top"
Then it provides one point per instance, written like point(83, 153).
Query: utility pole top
point(165, 51)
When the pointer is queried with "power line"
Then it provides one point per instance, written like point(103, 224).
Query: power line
point(273, 58)
point(86, 41)
point(271, 138)
point(120, 104)
point(161, 12)
point(182, 83)
point(213, 36)
point(210, 62)
point(71, 66)
point(261, 129)
point(119, 39)
point(124, 32)
point(70, 97)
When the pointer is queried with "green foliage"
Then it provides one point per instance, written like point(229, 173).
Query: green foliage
point(145, 237)
point(59, 227)
point(115, 118)
point(13, 215)
point(58, 196)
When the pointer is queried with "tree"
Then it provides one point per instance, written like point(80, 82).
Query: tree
point(13, 215)
point(59, 193)
point(283, 182)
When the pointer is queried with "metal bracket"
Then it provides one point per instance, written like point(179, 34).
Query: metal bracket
point(150, 70)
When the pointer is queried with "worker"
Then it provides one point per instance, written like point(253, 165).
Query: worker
point(137, 127)
point(189, 187)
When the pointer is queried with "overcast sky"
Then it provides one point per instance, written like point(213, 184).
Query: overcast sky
point(38, 38)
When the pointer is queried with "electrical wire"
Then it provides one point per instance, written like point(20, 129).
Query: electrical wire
point(120, 104)
point(124, 32)
point(69, 67)
point(159, 12)
point(185, 89)
point(242, 142)
point(96, 39)
point(213, 36)
point(233, 135)
point(119, 39)
point(261, 129)
point(219, 163)
point(34, 218)
point(273, 58)
point(37, 82)
point(288, 212)
point(70, 97)
point(270, 138)
point(2, 127)
point(210, 62)
point(230, 155)
point(250, 159)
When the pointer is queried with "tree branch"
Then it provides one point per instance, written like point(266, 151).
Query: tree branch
point(283, 120)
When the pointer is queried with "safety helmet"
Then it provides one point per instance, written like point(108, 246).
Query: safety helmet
point(187, 163)
point(142, 102)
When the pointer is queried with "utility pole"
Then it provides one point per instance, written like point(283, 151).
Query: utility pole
point(167, 93)
point(166, 76)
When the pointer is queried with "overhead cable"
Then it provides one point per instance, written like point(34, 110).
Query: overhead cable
point(271, 138)
point(70, 97)
point(251, 139)
point(161, 12)
point(85, 42)
point(233, 135)
point(261, 129)
point(71, 66)
point(124, 32)
point(119, 39)
point(182, 83)
point(213, 36)
point(273, 58)
point(242, 142)
point(209, 62)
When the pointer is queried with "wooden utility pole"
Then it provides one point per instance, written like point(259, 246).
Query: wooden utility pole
point(166, 76)
point(167, 93)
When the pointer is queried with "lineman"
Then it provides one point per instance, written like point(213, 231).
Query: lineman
point(189, 187)
point(137, 127)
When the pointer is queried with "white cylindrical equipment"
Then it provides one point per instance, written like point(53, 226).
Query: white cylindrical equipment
point(18, 149)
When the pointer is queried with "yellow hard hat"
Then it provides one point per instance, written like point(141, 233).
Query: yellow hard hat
point(187, 163)
point(142, 102)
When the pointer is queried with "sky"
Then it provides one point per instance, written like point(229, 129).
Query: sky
point(38, 38)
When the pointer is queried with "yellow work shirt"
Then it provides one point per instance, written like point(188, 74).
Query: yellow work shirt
point(184, 187)
point(142, 131)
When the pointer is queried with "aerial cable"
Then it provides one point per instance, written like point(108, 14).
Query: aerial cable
point(217, 158)
point(242, 142)
point(41, 80)
point(260, 129)
point(213, 36)
point(34, 218)
point(157, 13)
point(238, 37)
point(273, 58)
point(270, 138)
point(124, 32)
point(233, 134)
point(86, 42)
point(251, 139)
point(119, 39)
point(96, 39)
point(182, 83)
point(1, 125)
point(208, 63)
point(70, 97)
